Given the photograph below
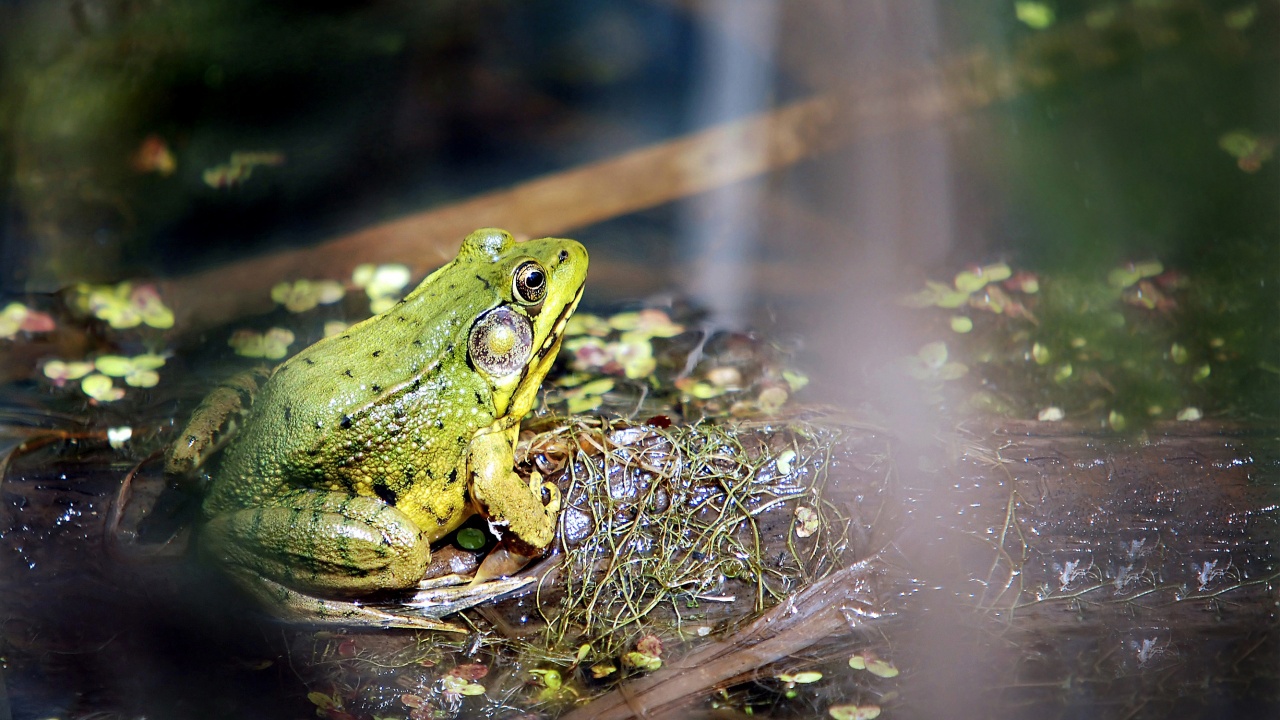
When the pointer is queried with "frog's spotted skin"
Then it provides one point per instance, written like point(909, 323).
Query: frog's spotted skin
point(365, 447)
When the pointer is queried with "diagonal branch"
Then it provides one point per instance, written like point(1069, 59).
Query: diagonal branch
point(825, 609)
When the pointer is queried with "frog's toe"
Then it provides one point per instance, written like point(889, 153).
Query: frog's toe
point(502, 561)
point(552, 492)
point(443, 581)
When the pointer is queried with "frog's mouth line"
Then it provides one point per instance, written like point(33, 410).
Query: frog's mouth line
point(557, 330)
point(551, 342)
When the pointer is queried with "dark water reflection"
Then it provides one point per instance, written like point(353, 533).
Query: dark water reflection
point(1107, 579)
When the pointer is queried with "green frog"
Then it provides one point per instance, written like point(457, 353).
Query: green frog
point(364, 448)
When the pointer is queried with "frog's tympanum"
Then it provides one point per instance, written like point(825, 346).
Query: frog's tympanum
point(363, 449)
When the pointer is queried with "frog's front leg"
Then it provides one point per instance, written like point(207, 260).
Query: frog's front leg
point(514, 508)
point(299, 551)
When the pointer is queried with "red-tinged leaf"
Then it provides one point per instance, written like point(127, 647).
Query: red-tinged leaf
point(38, 322)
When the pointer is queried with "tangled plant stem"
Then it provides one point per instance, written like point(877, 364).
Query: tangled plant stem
point(682, 517)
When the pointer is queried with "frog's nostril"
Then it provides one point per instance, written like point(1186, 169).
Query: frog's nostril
point(564, 255)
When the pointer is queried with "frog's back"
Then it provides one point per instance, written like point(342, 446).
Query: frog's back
point(386, 396)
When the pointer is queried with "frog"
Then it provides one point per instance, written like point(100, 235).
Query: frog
point(360, 451)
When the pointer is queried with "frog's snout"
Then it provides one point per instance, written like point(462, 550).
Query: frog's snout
point(570, 265)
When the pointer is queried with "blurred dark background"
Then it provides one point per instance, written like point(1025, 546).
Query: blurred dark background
point(380, 109)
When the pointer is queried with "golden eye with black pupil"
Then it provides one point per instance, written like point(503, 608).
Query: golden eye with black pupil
point(529, 283)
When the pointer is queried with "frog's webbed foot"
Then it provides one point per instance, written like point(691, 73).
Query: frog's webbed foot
point(440, 601)
point(423, 610)
point(294, 606)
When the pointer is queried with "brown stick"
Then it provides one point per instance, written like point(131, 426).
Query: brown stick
point(548, 205)
point(826, 608)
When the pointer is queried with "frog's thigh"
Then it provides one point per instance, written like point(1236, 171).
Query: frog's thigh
point(321, 542)
point(504, 497)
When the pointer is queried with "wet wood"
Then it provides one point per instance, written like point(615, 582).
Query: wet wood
point(1145, 553)
point(1160, 527)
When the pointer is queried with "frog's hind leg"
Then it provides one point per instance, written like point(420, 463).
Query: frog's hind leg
point(301, 551)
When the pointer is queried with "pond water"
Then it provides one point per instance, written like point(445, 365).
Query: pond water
point(1032, 246)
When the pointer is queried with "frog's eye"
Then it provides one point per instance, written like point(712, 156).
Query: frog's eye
point(501, 342)
point(529, 284)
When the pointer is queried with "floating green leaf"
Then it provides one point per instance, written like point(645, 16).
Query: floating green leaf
point(471, 538)
point(101, 388)
point(113, 365)
point(60, 372)
point(1242, 17)
point(882, 668)
point(933, 355)
point(460, 686)
point(1052, 413)
point(550, 678)
point(302, 295)
point(273, 344)
point(641, 661)
point(935, 294)
point(854, 712)
point(647, 323)
point(118, 436)
point(1238, 143)
point(586, 324)
point(18, 317)
point(1035, 15)
point(382, 283)
point(795, 380)
point(142, 378)
point(1040, 354)
point(1130, 273)
point(801, 678)
point(771, 399)
point(806, 521)
point(785, 458)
